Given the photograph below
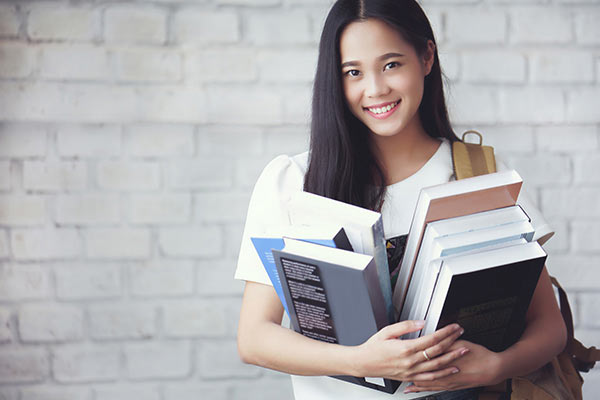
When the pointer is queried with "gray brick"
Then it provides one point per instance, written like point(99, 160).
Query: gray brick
point(162, 278)
point(24, 282)
point(217, 390)
point(575, 272)
point(117, 243)
point(50, 323)
point(5, 325)
point(92, 281)
point(205, 318)
point(277, 29)
point(160, 209)
point(286, 140)
point(494, 66)
point(586, 169)
point(586, 26)
point(543, 170)
point(298, 65)
point(5, 178)
point(505, 139)
point(23, 365)
point(585, 234)
point(215, 277)
point(571, 202)
point(62, 23)
point(205, 173)
point(135, 24)
point(472, 104)
point(489, 25)
point(54, 176)
point(236, 64)
point(567, 138)
point(49, 392)
point(45, 244)
point(128, 176)
point(75, 140)
point(193, 25)
point(9, 393)
point(562, 67)
point(9, 21)
point(221, 207)
point(17, 60)
point(160, 140)
point(583, 105)
point(220, 359)
point(170, 359)
point(259, 106)
point(22, 140)
point(176, 104)
point(191, 241)
point(297, 105)
point(87, 209)
point(86, 62)
point(590, 309)
point(85, 363)
point(154, 65)
point(540, 25)
point(4, 245)
point(119, 321)
point(230, 140)
point(127, 392)
point(532, 105)
point(22, 210)
point(265, 389)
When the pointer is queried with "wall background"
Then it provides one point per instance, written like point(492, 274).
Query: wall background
point(131, 135)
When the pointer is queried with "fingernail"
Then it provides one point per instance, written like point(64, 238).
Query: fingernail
point(464, 351)
point(419, 324)
point(455, 370)
point(461, 331)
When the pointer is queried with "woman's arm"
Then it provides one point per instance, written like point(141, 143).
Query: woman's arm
point(262, 341)
point(543, 338)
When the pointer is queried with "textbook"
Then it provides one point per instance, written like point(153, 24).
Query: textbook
point(448, 200)
point(333, 295)
point(325, 235)
point(364, 229)
point(487, 293)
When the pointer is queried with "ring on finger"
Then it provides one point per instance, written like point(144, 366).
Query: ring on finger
point(426, 355)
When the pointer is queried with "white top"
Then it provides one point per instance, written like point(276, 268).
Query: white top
point(283, 176)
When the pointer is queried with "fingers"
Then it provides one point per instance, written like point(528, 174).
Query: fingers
point(438, 348)
point(438, 363)
point(434, 375)
point(447, 335)
point(401, 328)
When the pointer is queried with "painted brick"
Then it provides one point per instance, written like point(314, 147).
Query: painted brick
point(191, 241)
point(5, 178)
point(68, 102)
point(562, 66)
point(221, 207)
point(54, 176)
point(571, 202)
point(162, 278)
point(586, 169)
point(265, 389)
point(234, 232)
point(117, 243)
point(62, 23)
point(121, 321)
point(543, 170)
point(123, 392)
point(9, 21)
point(170, 359)
point(5, 325)
point(585, 234)
point(490, 27)
point(17, 60)
point(583, 105)
point(148, 65)
point(248, 169)
point(87, 209)
point(128, 176)
point(298, 65)
point(91, 281)
point(472, 104)
point(205, 318)
point(592, 382)
point(586, 26)
point(85, 363)
point(286, 140)
point(567, 138)
point(135, 24)
point(560, 242)
point(86, 62)
point(590, 309)
point(505, 139)
point(4, 245)
point(50, 323)
point(219, 359)
point(24, 282)
point(277, 29)
point(435, 15)
point(45, 244)
point(22, 140)
point(450, 64)
point(192, 25)
point(205, 173)
point(493, 66)
point(221, 65)
point(175, 104)
point(252, 106)
point(230, 140)
point(75, 140)
point(49, 392)
point(217, 390)
point(297, 105)
point(532, 105)
point(9, 393)
point(250, 3)
point(21, 210)
point(575, 272)
point(540, 25)
point(215, 277)
point(160, 140)
point(23, 365)
point(160, 209)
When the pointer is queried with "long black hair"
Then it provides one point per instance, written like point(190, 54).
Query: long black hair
point(342, 165)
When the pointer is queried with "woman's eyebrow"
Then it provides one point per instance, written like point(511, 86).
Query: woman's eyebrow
point(380, 58)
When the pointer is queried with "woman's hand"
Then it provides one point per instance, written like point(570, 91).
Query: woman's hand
point(480, 367)
point(424, 358)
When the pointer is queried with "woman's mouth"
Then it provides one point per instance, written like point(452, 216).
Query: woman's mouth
point(382, 111)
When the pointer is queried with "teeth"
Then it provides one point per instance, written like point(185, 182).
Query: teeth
point(380, 110)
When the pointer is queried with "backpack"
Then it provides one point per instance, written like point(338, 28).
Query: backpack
point(560, 378)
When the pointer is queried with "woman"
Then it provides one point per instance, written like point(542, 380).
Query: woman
point(379, 133)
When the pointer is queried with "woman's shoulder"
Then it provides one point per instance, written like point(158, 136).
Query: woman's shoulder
point(283, 173)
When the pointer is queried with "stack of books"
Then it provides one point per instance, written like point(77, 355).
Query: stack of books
point(469, 259)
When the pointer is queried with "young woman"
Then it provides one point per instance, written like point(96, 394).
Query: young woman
point(380, 132)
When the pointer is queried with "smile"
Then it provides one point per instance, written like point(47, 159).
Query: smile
point(382, 111)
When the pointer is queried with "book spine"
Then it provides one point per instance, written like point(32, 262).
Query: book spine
point(383, 270)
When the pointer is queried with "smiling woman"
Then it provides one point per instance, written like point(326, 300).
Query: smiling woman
point(379, 133)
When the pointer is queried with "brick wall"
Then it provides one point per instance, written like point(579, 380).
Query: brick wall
point(131, 134)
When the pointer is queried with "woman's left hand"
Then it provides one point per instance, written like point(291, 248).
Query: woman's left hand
point(478, 367)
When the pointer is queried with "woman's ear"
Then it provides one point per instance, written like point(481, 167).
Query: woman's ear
point(428, 57)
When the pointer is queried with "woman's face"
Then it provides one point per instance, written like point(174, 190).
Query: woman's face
point(382, 75)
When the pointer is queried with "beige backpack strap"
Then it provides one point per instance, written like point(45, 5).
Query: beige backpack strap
point(472, 159)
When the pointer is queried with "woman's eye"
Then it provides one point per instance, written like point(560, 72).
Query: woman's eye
point(391, 65)
point(353, 72)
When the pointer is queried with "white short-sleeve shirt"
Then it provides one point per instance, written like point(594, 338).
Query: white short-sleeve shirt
point(285, 175)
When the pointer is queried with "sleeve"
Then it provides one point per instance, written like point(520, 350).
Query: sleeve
point(272, 191)
point(543, 230)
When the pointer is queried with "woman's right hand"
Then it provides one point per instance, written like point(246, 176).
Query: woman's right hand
point(424, 358)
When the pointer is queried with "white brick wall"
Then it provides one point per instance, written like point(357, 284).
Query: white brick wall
point(132, 133)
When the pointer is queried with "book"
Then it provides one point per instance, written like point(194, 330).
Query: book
point(487, 293)
point(326, 235)
point(333, 295)
point(364, 229)
point(448, 200)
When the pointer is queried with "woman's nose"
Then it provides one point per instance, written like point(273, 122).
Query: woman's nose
point(376, 86)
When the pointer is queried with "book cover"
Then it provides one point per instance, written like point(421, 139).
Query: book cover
point(333, 295)
point(487, 293)
point(448, 200)
point(322, 235)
